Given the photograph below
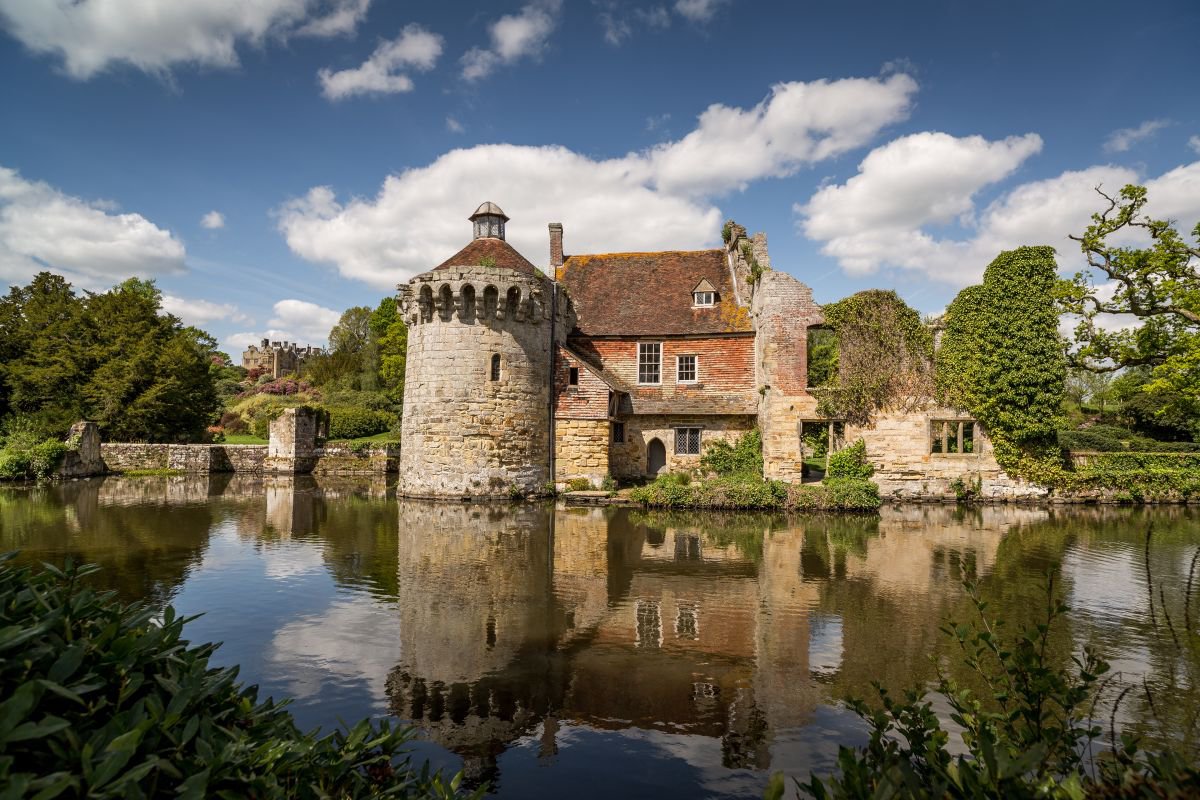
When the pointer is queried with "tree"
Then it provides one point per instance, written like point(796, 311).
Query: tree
point(352, 331)
point(1158, 284)
point(1003, 360)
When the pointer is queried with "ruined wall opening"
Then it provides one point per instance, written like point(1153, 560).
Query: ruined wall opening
point(425, 303)
point(512, 302)
point(821, 358)
point(818, 439)
point(445, 303)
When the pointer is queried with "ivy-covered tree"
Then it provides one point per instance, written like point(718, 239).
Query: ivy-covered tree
point(1002, 359)
point(884, 356)
point(1159, 284)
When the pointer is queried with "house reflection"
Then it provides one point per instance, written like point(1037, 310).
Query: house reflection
point(517, 618)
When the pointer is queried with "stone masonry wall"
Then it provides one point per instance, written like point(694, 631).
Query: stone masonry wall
point(782, 310)
point(581, 450)
point(190, 458)
point(898, 444)
point(464, 434)
point(344, 460)
point(628, 458)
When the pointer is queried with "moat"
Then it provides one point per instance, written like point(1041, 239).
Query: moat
point(607, 652)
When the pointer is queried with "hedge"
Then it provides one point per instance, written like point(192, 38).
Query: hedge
point(742, 492)
point(352, 422)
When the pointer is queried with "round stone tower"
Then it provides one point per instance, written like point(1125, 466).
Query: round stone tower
point(477, 382)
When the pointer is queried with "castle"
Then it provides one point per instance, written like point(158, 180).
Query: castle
point(629, 365)
point(277, 358)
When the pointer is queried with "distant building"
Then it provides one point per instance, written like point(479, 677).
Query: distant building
point(277, 358)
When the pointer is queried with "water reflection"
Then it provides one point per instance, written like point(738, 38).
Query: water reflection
point(606, 651)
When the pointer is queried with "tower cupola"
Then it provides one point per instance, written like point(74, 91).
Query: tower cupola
point(489, 221)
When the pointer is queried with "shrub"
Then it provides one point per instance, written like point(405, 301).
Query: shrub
point(351, 422)
point(1033, 737)
point(19, 461)
point(742, 458)
point(608, 484)
point(852, 494)
point(1089, 440)
point(850, 462)
point(579, 485)
point(109, 700)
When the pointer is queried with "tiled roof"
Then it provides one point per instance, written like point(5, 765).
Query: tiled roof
point(650, 294)
point(498, 250)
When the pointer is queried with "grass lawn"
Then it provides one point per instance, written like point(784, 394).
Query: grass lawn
point(243, 438)
point(246, 438)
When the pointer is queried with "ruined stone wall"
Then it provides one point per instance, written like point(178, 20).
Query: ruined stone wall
point(345, 460)
point(782, 310)
point(581, 450)
point(628, 459)
point(83, 459)
point(898, 444)
point(189, 458)
point(464, 434)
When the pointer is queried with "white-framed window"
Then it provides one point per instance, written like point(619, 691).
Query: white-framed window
point(649, 362)
point(704, 298)
point(685, 369)
point(687, 441)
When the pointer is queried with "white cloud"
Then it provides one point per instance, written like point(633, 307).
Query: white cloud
point(201, 312)
point(619, 23)
point(213, 220)
point(296, 321)
point(699, 10)
point(414, 48)
point(798, 123)
point(890, 212)
point(454, 126)
point(514, 36)
point(1121, 140)
point(42, 228)
point(1194, 143)
point(90, 35)
point(916, 180)
point(643, 200)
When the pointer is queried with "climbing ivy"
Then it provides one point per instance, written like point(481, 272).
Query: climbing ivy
point(1002, 359)
point(884, 356)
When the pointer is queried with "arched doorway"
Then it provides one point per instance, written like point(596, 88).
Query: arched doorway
point(656, 457)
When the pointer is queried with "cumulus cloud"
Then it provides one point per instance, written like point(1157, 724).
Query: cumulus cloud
point(1194, 143)
point(43, 228)
point(201, 312)
point(1121, 140)
point(513, 36)
point(213, 220)
point(294, 321)
point(382, 73)
point(644, 200)
point(90, 35)
point(699, 10)
point(893, 212)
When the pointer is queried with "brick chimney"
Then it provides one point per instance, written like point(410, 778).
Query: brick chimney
point(556, 253)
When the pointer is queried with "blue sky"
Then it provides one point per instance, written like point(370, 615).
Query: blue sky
point(342, 143)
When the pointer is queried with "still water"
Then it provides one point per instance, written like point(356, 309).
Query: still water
point(602, 652)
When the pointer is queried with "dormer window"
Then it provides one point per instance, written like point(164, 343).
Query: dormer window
point(704, 295)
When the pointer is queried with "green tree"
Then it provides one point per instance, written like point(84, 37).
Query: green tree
point(1003, 360)
point(1159, 284)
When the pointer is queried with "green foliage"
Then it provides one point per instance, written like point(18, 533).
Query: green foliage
point(1159, 284)
point(884, 356)
point(349, 422)
point(1031, 736)
point(741, 458)
point(579, 485)
point(1002, 359)
point(107, 700)
point(608, 484)
point(24, 455)
point(112, 357)
point(822, 357)
point(487, 261)
point(727, 231)
point(756, 269)
point(751, 492)
point(850, 462)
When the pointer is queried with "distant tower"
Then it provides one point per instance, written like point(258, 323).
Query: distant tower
point(478, 374)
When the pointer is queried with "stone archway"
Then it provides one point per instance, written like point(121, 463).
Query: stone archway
point(656, 457)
